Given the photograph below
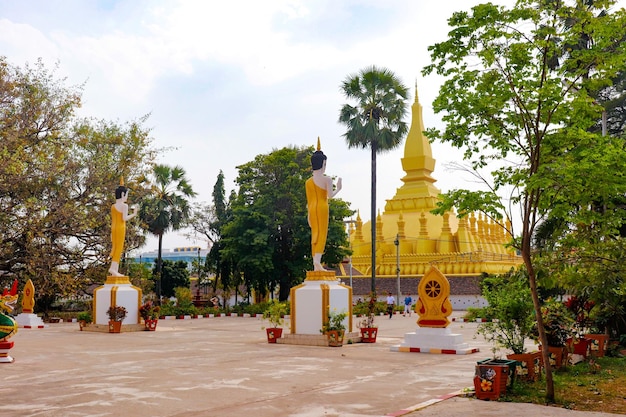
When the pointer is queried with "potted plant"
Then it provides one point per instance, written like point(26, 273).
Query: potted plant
point(275, 313)
point(334, 328)
point(490, 380)
point(369, 330)
point(558, 323)
point(588, 339)
point(511, 308)
point(84, 318)
point(150, 315)
point(116, 316)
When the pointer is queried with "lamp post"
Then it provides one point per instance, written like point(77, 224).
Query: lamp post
point(198, 265)
point(397, 243)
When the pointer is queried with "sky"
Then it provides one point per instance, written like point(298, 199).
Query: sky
point(225, 81)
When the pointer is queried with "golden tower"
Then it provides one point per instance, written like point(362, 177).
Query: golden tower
point(463, 247)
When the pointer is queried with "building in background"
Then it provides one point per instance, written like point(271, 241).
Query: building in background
point(188, 254)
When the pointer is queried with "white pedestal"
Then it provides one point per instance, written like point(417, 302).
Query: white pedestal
point(310, 299)
point(30, 321)
point(434, 340)
point(117, 291)
point(5, 347)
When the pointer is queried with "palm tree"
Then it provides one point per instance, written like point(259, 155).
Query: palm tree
point(167, 206)
point(375, 122)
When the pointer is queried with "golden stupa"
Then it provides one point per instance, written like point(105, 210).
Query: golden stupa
point(463, 247)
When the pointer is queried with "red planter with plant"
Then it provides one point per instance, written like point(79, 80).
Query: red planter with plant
point(491, 379)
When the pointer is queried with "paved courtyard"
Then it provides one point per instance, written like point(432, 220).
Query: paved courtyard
point(225, 367)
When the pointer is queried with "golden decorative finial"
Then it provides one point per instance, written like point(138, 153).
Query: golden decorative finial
point(319, 147)
point(416, 95)
point(121, 180)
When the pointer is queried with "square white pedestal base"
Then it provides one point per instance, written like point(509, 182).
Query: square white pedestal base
point(434, 340)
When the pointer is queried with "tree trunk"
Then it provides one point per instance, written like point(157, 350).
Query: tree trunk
point(545, 354)
point(159, 268)
point(373, 216)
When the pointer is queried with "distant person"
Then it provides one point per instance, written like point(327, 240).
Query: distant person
point(391, 301)
point(319, 189)
point(407, 305)
point(119, 217)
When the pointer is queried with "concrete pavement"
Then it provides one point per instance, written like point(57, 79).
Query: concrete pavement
point(224, 367)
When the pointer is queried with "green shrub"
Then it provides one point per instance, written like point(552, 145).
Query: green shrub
point(510, 302)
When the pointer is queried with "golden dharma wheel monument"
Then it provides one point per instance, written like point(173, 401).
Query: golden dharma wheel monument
point(433, 308)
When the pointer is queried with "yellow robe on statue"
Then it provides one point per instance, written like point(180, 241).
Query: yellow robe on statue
point(317, 204)
point(118, 232)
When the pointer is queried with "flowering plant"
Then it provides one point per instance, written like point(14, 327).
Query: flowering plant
point(116, 313)
point(367, 322)
point(334, 321)
point(558, 322)
point(580, 308)
point(149, 311)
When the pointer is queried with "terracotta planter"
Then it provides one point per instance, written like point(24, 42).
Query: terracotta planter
point(368, 334)
point(82, 323)
point(115, 326)
point(528, 367)
point(151, 324)
point(580, 346)
point(335, 338)
point(491, 379)
point(558, 355)
point(599, 343)
point(512, 364)
point(273, 333)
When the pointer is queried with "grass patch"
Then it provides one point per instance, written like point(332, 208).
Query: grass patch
point(594, 385)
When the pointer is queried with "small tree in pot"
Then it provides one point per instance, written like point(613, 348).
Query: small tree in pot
point(275, 313)
point(511, 307)
point(369, 330)
point(116, 315)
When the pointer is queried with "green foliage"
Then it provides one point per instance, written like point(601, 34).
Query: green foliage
point(57, 176)
point(84, 316)
point(374, 120)
point(275, 313)
point(580, 387)
point(510, 303)
point(168, 308)
point(473, 313)
point(173, 275)
point(368, 310)
point(518, 98)
point(558, 322)
point(140, 276)
point(334, 321)
point(184, 301)
point(165, 208)
point(267, 239)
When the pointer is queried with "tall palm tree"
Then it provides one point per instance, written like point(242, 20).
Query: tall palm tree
point(374, 121)
point(167, 206)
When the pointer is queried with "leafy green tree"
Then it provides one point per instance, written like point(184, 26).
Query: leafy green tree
point(268, 239)
point(173, 275)
point(57, 178)
point(166, 207)
point(374, 121)
point(506, 104)
point(510, 302)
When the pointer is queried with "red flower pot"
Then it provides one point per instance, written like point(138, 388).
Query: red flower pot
point(368, 334)
point(273, 333)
